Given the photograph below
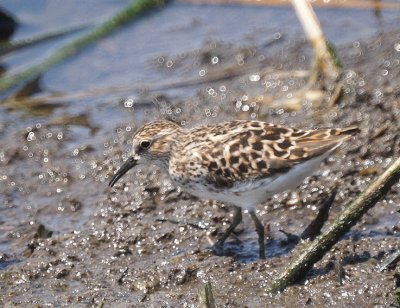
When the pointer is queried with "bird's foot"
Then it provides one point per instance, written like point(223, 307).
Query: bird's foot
point(218, 249)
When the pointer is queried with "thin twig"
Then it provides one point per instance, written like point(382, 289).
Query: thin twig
point(8, 47)
point(314, 228)
point(349, 4)
point(152, 86)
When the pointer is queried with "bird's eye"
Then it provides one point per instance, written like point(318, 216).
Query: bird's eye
point(145, 144)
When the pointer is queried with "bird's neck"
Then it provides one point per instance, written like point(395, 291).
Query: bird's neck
point(167, 145)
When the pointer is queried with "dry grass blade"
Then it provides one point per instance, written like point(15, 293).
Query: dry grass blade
point(314, 33)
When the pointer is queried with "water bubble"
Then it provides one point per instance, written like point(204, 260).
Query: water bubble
point(75, 152)
point(60, 135)
point(378, 93)
point(128, 103)
point(397, 46)
point(277, 35)
point(31, 136)
point(170, 63)
point(214, 60)
point(254, 77)
point(202, 72)
point(38, 125)
point(222, 88)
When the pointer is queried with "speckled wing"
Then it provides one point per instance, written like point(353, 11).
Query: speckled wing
point(253, 150)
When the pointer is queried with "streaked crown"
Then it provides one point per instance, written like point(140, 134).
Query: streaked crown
point(154, 140)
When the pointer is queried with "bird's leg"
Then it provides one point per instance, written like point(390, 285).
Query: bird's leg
point(237, 218)
point(260, 232)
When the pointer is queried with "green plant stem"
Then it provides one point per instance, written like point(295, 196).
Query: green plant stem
point(206, 296)
point(354, 211)
point(9, 47)
point(128, 14)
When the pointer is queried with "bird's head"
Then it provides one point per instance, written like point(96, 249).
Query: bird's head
point(152, 142)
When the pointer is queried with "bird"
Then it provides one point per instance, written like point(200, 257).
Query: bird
point(241, 163)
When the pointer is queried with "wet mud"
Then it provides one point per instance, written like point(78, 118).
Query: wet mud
point(70, 240)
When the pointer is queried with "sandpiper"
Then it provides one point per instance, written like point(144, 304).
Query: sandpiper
point(240, 163)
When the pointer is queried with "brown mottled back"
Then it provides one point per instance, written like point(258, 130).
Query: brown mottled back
point(247, 150)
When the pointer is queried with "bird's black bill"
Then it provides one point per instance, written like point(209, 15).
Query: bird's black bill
point(130, 163)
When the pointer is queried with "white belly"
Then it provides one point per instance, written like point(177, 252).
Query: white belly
point(248, 195)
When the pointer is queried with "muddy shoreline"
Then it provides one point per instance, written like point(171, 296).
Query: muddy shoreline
point(146, 244)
